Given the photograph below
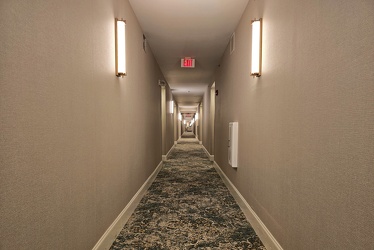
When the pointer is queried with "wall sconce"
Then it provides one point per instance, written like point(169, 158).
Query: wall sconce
point(120, 47)
point(256, 47)
point(180, 117)
point(171, 107)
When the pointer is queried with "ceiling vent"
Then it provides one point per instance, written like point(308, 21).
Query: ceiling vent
point(232, 43)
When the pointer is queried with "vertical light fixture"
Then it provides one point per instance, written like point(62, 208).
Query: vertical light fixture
point(171, 107)
point(180, 117)
point(120, 47)
point(256, 47)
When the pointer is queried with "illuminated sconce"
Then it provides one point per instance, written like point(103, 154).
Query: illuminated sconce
point(180, 117)
point(256, 47)
point(171, 107)
point(197, 116)
point(184, 122)
point(120, 47)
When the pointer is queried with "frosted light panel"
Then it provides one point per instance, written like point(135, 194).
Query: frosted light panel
point(171, 107)
point(233, 144)
point(256, 47)
point(120, 47)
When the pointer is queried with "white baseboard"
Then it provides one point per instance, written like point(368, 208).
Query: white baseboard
point(211, 157)
point(106, 241)
point(165, 157)
point(266, 237)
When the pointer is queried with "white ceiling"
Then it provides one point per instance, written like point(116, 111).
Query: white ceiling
point(200, 29)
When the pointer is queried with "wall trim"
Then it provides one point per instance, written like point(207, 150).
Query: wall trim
point(265, 235)
point(107, 239)
point(165, 157)
point(211, 157)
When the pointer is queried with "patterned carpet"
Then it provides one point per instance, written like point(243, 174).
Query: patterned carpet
point(188, 135)
point(187, 207)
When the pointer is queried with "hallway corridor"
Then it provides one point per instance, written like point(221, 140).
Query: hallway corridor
point(277, 97)
point(188, 207)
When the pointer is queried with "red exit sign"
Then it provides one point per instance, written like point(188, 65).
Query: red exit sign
point(188, 62)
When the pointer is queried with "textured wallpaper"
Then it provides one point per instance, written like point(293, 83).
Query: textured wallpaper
point(306, 138)
point(73, 135)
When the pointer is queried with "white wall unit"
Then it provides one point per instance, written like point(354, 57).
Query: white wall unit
point(233, 144)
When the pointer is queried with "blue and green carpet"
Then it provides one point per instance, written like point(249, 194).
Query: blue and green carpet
point(188, 207)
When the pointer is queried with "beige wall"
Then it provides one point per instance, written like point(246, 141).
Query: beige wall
point(169, 120)
point(175, 122)
point(306, 138)
point(76, 142)
point(207, 138)
point(209, 112)
point(198, 123)
point(201, 122)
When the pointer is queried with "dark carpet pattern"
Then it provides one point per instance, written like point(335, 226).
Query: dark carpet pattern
point(187, 207)
point(188, 135)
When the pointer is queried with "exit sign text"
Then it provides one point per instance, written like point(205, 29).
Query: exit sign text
point(188, 62)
